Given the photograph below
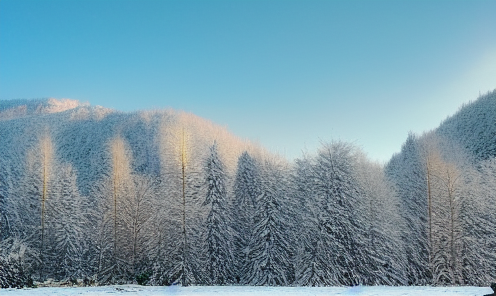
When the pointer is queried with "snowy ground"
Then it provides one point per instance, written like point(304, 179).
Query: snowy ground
point(130, 290)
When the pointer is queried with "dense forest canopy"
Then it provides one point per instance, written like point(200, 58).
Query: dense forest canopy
point(162, 197)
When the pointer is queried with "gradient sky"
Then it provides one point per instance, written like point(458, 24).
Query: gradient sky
point(287, 74)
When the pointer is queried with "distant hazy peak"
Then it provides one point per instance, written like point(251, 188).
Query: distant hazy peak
point(10, 109)
point(58, 105)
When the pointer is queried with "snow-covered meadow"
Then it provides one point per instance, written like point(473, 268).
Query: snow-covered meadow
point(129, 290)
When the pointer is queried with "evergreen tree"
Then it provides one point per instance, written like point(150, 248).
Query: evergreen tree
point(478, 221)
point(270, 257)
point(218, 238)
point(383, 248)
point(142, 215)
point(407, 172)
point(338, 195)
point(66, 219)
point(311, 263)
point(247, 186)
point(31, 210)
point(77, 200)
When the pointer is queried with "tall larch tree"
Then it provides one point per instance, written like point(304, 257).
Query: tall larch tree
point(176, 265)
point(38, 184)
point(116, 192)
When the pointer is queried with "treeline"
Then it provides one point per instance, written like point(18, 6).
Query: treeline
point(165, 197)
point(446, 180)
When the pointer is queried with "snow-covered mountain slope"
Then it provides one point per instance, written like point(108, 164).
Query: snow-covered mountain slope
point(474, 126)
point(165, 197)
point(10, 109)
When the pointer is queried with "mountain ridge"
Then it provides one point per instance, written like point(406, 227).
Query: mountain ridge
point(97, 194)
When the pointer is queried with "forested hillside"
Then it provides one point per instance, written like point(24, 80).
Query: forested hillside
point(163, 197)
point(446, 182)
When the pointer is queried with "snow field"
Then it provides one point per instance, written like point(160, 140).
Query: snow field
point(131, 290)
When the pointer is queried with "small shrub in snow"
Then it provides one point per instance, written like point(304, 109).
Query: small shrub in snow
point(12, 275)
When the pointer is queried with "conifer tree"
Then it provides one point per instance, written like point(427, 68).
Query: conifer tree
point(311, 263)
point(67, 217)
point(407, 172)
point(270, 257)
point(116, 192)
point(335, 186)
point(181, 187)
point(46, 149)
point(218, 237)
point(247, 186)
point(383, 248)
point(37, 188)
point(142, 214)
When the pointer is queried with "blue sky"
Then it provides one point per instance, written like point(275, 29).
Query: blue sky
point(287, 74)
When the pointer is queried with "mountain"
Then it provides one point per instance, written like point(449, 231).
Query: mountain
point(81, 134)
point(446, 182)
point(165, 197)
point(63, 162)
point(474, 127)
point(20, 108)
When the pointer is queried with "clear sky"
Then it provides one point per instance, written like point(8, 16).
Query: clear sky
point(287, 74)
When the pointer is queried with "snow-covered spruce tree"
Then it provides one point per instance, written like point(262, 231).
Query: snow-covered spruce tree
point(247, 186)
point(478, 220)
point(13, 171)
point(487, 171)
point(4, 191)
point(67, 218)
point(384, 251)
point(8, 212)
point(218, 237)
point(24, 224)
point(338, 195)
point(12, 274)
point(270, 257)
point(431, 159)
point(407, 172)
point(311, 262)
point(142, 213)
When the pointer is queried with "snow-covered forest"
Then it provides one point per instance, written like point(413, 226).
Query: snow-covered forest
point(162, 197)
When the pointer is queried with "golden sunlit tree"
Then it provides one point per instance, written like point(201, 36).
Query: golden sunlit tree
point(46, 149)
point(181, 158)
point(178, 141)
point(444, 189)
point(432, 159)
point(116, 193)
point(40, 168)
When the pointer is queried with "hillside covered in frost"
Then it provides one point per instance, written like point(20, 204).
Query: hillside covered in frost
point(160, 197)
